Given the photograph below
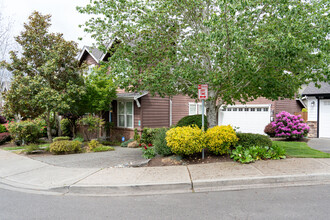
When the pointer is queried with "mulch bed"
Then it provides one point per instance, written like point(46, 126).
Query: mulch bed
point(195, 159)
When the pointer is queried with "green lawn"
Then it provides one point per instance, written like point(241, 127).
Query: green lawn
point(14, 148)
point(23, 147)
point(300, 149)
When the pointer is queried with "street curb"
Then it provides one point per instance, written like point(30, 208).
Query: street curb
point(126, 190)
point(260, 182)
point(22, 187)
point(171, 188)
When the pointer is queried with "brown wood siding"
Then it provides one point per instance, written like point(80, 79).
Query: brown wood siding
point(114, 113)
point(288, 105)
point(180, 107)
point(88, 59)
point(155, 111)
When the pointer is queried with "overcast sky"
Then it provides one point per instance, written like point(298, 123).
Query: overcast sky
point(65, 19)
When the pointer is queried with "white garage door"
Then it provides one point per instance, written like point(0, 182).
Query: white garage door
point(324, 118)
point(248, 119)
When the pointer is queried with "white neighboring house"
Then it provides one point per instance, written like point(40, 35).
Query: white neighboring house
point(318, 101)
point(4, 84)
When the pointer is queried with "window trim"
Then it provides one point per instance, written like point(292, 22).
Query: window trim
point(125, 113)
point(198, 106)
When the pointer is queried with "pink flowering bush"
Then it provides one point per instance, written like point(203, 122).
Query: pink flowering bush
point(290, 126)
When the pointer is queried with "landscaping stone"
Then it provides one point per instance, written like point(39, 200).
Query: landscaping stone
point(133, 144)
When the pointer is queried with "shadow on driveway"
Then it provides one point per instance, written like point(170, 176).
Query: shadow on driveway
point(120, 157)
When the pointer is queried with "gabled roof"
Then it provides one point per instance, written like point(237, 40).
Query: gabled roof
point(97, 54)
point(94, 52)
point(311, 89)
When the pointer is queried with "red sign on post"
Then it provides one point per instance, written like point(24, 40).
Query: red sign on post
point(203, 91)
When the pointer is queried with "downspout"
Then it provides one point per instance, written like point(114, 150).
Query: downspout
point(171, 112)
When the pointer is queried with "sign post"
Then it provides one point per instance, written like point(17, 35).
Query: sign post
point(202, 95)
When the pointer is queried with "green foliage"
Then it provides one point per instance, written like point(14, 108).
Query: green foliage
point(64, 138)
point(148, 135)
point(125, 143)
point(136, 135)
point(4, 137)
point(46, 74)
point(100, 91)
point(81, 139)
point(172, 46)
point(251, 154)
point(66, 127)
point(220, 139)
point(2, 128)
point(248, 140)
point(185, 140)
point(25, 132)
point(160, 144)
point(148, 152)
point(93, 144)
point(93, 124)
point(63, 147)
point(193, 120)
point(270, 130)
point(96, 146)
point(103, 148)
point(304, 110)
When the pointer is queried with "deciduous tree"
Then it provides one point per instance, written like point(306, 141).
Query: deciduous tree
point(242, 49)
point(46, 76)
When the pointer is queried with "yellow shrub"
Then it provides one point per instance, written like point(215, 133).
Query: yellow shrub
point(93, 144)
point(185, 140)
point(219, 139)
point(62, 147)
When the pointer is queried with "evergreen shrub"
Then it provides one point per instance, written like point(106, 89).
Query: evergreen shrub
point(247, 140)
point(192, 120)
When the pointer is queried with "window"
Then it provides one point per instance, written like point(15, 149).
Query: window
point(235, 109)
point(240, 109)
point(258, 109)
point(125, 114)
point(265, 109)
point(229, 109)
point(246, 109)
point(253, 109)
point(192, 108)
point(196, 108)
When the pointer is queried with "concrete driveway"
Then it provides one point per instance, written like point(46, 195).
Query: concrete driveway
point(321, 144)
point(120, 157)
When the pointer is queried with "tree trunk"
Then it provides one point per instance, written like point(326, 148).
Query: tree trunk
point(49, 127)
point(58, 123)
point(212, 113)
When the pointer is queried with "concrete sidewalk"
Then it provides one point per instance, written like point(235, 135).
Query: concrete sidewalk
point(24, 174)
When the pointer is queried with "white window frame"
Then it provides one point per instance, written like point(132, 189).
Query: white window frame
point(198, 107)
point(125, 113)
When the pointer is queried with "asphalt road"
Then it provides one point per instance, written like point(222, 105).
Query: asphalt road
point(308, 202)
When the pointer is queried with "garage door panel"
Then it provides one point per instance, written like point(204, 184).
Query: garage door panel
point(324, 118)
point(246, 120)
